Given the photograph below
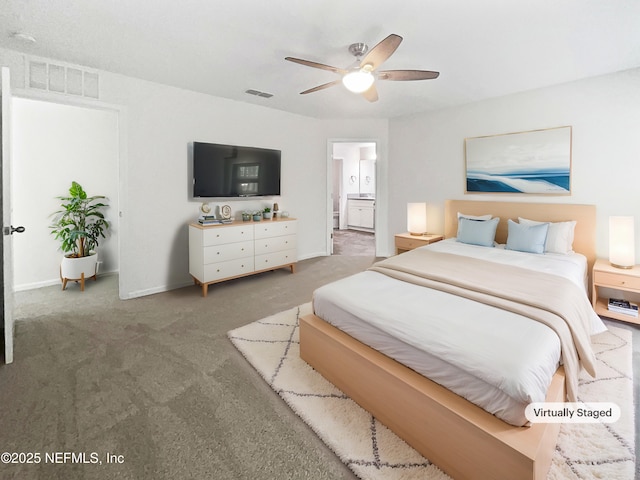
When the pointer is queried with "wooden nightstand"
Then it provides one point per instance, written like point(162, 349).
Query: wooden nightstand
point(406, 241)
point(623, 280)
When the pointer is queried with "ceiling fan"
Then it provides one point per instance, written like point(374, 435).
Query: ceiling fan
point(360, 78)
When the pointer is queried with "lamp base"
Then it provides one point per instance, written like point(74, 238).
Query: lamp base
point(626, 267)
point(418, 234)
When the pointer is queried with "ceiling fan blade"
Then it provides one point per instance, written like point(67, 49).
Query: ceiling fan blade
point(321, 87)
point(383, 50)
point(371, 94)
point(321, 66)
point(405, 75)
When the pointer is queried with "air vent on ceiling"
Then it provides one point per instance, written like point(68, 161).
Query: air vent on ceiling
point(259, 93)
point(62, 78)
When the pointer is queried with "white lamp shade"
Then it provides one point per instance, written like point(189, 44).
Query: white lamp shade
point(621, 242)
point(417, 218)
point(358, 81)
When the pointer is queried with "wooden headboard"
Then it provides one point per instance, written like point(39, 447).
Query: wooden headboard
point(584, 215)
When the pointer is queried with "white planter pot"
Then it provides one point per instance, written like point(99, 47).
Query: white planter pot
point(78, 269)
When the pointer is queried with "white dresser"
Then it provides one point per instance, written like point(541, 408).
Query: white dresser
point(222, 252)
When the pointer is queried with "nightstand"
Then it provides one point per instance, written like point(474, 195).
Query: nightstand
point(622, 280)
point(406, 241)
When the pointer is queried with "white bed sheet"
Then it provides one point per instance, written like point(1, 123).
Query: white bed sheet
point(498, 360)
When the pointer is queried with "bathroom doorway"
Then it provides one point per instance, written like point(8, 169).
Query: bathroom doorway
point(353, 197)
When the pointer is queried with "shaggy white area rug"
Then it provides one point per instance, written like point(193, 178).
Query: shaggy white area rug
point(371, 451)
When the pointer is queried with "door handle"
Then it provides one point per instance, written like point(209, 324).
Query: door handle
point(11, 230)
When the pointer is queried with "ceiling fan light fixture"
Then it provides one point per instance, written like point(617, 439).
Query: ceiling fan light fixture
point(358, 81)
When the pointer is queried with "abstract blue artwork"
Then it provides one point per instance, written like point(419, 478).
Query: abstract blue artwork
point(536, 162)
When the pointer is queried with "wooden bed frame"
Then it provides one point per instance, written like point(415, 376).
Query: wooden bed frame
point(462, 439)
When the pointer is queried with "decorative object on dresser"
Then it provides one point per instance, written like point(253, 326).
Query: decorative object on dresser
point(624, 282)
point(225, 212)
point(408, 241)
point(621, 242)
point(222, 252)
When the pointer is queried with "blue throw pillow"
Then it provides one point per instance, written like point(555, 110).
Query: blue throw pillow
point(477, 232)
point(527, 238)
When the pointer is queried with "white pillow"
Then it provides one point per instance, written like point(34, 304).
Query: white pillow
point(474, 217)
point(559, 236)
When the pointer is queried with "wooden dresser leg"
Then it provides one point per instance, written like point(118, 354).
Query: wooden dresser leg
point(205, 288)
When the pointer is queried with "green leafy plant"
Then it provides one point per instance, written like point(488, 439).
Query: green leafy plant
point(267, 209)
point(80, 222)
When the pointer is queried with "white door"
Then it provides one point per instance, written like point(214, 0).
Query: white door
point(7, 228)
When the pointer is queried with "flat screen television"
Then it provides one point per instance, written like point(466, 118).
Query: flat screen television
point(235, 171)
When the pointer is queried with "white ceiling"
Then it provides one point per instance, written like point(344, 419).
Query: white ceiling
point(482, 49)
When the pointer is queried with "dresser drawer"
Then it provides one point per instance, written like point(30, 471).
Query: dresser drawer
point(272, 260)
point(275, 244)
point(617, 280)
point(227, 251)
point(276, 229)
point(222, 234)
point(231, 268)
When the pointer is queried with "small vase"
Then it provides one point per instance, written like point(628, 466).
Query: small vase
point(266, 215)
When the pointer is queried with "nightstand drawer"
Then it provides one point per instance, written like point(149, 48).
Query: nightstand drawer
point(410, 243)
point(616, 280)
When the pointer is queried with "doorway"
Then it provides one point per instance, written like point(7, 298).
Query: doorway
point(352, 192)
point(74, 143)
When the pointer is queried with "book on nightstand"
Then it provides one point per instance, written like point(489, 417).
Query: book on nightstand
point(623, 306)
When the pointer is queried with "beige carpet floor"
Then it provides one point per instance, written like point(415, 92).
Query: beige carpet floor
point(372, 452)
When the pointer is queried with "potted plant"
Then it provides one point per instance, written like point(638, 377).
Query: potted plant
point(257, 216)
point(266, 213)
point(78, 225)
point(246, 216)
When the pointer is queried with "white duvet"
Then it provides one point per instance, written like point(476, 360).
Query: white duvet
point(498, 360)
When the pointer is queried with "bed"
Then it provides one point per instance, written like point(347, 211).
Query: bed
point(455, 433)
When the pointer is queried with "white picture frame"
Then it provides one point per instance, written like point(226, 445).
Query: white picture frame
point(532, 162)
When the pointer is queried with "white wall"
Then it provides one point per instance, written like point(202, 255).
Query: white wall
point(603, 111)
point(160, 123)
point(53, 145)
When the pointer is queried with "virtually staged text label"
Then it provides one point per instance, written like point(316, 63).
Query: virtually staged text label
point(572, 412)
